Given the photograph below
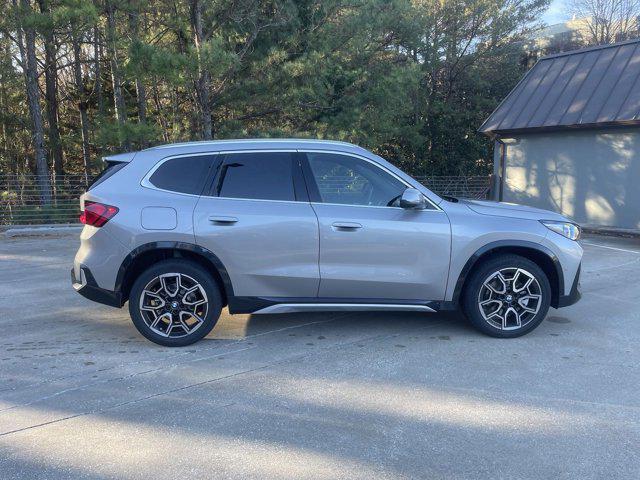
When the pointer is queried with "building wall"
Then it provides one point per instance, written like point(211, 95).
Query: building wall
point(591, 176)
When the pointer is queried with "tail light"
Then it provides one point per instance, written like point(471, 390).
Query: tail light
point(97, 214)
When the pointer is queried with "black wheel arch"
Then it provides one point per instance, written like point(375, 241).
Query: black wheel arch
point(147, 254)
point(539, 254)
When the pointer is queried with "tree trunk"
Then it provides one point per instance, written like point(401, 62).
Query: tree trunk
point(118, 98)
point(12, 166)
point(82, 104)
point(203, 82)
point(51, 88)
point(141, 93)
point(30, 67)
point(159, 110)
point(97, 58)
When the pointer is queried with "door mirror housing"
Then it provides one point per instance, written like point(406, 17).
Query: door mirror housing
point(412, 199)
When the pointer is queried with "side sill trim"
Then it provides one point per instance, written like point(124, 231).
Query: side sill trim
point(260, 304)
point(338, 307)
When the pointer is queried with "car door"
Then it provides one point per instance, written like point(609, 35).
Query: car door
point(256, 217)
point(370, 248)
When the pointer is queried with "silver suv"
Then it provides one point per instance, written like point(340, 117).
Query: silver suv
point(273, 226)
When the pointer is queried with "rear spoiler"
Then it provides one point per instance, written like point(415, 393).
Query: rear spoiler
point(119, 158)
point(112, 163)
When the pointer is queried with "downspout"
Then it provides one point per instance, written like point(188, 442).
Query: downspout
point(499, 169)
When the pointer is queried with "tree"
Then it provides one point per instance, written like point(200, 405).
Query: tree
point(411, 80)
point(607, 21)
point(141, 92)
point(78, 28)
point(26, 42)
point(202, 82)
point(120, 106)
point(51, 87)
point(15, 137)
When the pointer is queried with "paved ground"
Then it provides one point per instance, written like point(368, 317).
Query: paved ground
point(82, 395)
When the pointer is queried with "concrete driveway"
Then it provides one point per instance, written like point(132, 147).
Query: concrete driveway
point(358, 395)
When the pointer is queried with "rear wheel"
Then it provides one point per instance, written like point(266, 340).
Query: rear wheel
point(507, 296)
point(175, 303)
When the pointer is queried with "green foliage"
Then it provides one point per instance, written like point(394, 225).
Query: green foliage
point(412, 80)
point(109, 133)
point(145, 60)
point(74, 12)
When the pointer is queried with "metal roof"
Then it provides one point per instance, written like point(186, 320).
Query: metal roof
point(591, 87)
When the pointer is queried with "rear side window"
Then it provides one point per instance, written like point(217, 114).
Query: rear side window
point(183, 174)
point(110, 169)
point(260, 176)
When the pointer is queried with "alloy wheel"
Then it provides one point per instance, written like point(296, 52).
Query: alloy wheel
point(510, 298)
point(173, 305)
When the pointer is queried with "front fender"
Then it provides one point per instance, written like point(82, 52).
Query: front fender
point(506, 245)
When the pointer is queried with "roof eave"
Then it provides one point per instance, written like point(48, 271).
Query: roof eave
point(563, 128)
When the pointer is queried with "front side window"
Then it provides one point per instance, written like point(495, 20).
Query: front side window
point(259, 176)
point(348, 180)
point(183, 174)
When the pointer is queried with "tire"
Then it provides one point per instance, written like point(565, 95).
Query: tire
point(175, 319)
point(515, 312)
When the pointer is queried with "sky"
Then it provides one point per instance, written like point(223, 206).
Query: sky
point(556, 13)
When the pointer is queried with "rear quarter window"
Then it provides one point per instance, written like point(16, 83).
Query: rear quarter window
point(183, 174)
point(110, 169)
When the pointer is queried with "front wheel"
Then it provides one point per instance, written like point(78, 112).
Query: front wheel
point(175, 303)
point(507, 296)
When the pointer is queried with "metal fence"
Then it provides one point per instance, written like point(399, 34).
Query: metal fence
point(477, 186)
point(21, 203)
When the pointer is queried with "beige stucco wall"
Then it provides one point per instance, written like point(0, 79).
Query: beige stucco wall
point(591, 176)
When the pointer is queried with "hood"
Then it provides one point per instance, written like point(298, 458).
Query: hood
point(503, 209)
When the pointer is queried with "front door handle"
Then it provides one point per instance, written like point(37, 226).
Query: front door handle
point(221, 220)
point(346, 225)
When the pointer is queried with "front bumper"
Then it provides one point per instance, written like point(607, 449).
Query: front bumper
point(574, 295)
point(87, 287)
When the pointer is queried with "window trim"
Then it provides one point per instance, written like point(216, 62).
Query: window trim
point(146, 183)
point(211, 191)
point(212, 177)
point(303, 164)
point(306, 169)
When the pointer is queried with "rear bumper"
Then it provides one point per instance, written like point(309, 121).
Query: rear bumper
point(87, 287)
point(574, 295)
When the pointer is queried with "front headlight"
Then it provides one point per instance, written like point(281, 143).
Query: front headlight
point(566, 229)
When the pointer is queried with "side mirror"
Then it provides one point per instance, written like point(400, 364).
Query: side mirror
point(412, 199)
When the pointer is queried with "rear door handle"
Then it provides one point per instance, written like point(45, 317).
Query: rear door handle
point(346, 225)
point(220, 220)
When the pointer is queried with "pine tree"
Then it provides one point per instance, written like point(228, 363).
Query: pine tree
point(410, 80)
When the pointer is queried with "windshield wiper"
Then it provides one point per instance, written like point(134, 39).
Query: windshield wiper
point(449, 198)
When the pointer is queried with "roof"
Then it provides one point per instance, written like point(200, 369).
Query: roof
point(238, 145)
point(209, 146)
point(591, 87)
